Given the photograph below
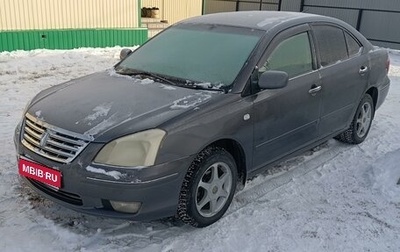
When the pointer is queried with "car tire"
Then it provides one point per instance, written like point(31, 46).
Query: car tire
point(361, 124)
point(208, 187)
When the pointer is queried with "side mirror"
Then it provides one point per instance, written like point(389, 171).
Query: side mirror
point(124, 53)
point(273, 80)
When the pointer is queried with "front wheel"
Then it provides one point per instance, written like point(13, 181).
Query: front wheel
point(208, 187)
point(361, 124)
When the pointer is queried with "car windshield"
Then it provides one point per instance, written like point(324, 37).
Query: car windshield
point(196, 53)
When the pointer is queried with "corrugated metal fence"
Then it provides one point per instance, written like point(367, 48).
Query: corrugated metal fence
point(212, 6)
point(376, 20)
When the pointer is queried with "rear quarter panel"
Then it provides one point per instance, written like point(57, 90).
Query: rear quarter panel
point(378, 58)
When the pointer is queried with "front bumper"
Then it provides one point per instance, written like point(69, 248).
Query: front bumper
point(89, 188)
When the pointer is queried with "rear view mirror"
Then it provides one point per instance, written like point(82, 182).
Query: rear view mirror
point(273, 80)
point(124, 53)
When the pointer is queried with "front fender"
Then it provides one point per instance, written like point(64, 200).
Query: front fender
point(192, 134)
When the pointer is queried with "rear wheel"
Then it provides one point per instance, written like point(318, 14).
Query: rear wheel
point(361, 124)
point(208, 188)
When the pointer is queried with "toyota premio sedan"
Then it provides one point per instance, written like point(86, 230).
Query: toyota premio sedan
point(178, 124)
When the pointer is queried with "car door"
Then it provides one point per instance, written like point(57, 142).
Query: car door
point(286, 119)
point(344, 73)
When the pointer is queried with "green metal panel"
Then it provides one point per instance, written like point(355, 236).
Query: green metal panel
point(68, 39)
point(10, 41)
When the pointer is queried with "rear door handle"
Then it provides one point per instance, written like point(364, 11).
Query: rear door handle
point(314, 90)
point(363, 70)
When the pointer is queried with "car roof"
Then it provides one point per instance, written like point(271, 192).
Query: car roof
point(261, 20)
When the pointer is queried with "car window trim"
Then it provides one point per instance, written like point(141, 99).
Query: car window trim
point(357, 41)
point(282, 36)
point(344, 30)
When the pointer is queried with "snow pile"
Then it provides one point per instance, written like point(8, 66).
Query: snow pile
point(146, 81)
point(336, 197)
point(167, 87)
point(99, 111)
point(190, 100)
point(386, 173)
point(115, 174)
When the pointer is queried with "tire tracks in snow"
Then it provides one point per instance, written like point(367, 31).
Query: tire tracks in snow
point(249, 196)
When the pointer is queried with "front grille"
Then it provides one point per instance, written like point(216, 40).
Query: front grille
point(52, 142)
point(58, 194)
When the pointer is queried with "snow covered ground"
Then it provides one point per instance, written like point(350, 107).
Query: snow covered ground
point(336, 197)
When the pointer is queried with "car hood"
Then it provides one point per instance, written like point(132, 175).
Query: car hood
point(106, 105)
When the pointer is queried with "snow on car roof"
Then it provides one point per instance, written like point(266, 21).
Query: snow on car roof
point(262, 20)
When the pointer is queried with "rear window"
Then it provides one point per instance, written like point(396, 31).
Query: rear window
point(353, 47)
point(331, 44)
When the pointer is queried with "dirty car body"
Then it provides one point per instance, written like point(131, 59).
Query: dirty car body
point(177, 125)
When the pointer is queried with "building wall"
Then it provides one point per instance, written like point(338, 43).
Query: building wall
point(175, 10)
point(67, 24)
point(68, 14)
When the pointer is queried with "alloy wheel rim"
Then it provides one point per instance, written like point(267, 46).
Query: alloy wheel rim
point(213, 189)
point(364, 120)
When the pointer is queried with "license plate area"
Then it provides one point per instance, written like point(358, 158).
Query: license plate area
point(40, 173)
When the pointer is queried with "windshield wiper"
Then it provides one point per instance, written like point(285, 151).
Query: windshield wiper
point(195, 85)
point(170, 80)
point(126, 71)
point(203, 87)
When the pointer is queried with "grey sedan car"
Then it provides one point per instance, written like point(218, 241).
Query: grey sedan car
point(180, 123)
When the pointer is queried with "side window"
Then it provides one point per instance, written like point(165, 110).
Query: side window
point(292, 56)
point(331, 44)
point(353, 47)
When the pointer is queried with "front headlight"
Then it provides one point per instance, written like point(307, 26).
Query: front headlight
point(138, 149)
